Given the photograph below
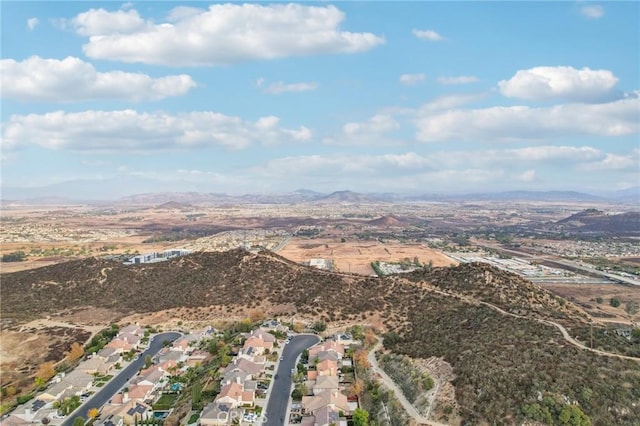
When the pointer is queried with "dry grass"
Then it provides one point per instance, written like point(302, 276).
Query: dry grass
point(585, 295)
point(356, 257)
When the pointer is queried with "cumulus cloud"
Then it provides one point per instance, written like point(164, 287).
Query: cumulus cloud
point(373, 131)
point(562, 82)
point(411, 79)
point(224, 34)
point(71, 79)
point(516, 123)
point(592, 11)
point(462, 79)
point(32, 23)
point(133, 131)
point(614, 162)
point(280, 87)
point(430, 35)
point(379, 123)
point(100, 22)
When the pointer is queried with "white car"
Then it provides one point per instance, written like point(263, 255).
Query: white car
point(250, 417)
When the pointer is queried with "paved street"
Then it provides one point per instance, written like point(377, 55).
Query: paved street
point(281, 387)
point(110, 389)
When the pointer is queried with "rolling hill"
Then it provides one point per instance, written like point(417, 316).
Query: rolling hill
point(503, 363)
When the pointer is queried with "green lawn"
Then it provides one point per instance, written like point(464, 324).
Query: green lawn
point(165, 402)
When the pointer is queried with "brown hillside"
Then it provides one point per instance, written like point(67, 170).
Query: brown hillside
point(507, 290)
point(502, 364)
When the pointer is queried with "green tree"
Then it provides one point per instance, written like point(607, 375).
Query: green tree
point(319, 327)
point(631, 307)
point(389, 339)
point(360, 417)
point(78, 421)
point(615, 302)
point(16, 256)
point(39, 382)
point(196, 393)
point(572, 415)
point(148, 361)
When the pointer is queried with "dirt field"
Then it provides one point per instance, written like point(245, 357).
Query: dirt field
point(356, 257)
point(586, 296)
point(26, 346)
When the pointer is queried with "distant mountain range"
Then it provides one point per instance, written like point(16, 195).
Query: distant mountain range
point(141, 191)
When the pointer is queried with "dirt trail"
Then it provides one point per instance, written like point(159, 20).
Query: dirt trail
point(565, 334)
point(389, 383)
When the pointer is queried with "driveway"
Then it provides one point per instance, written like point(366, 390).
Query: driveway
point(281, 386)
point(114, 385)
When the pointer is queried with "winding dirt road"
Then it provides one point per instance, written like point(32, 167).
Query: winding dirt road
point(391, 385)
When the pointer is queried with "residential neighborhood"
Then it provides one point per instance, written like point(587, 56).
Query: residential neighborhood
point(241, 368)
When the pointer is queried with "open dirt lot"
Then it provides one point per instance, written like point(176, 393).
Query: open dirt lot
point(586, 296)
point(24, 347)
point(356, 257)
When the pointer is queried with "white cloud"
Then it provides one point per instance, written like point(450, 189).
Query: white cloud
point(430, 35)
point(450, 101)
point(72, 79)
point(614, 162)
point(462, 79)
point(562, 82)
point(100, 22)
point(280, 87)
point(181, 12)
point(131, 131)
point(411, 79)
point(526, 176)
point(379, 123)
point(223, 34)
point(517, 123)
point(592, 12)
point(32, 23)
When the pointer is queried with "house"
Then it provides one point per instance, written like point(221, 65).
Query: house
point(334, 399)
point(75, 383)
point(324, 355)
point(111, 420)
point(242, 364)
point(262, 334)
point(132, 410)
point(329, 346)
point(94, 365)
point(120, 346)
point(138, 392)
point(324, 416)
point(258, 344)
point(181, 345)
point(235, 395)
point(216, 413)
point(105, 353)
point(79, 380)
point(151, 376)
point(13, 420)
point(55, 392)
point(326, 383)
point(132, 329)
point(235, 376)
point(327, 368)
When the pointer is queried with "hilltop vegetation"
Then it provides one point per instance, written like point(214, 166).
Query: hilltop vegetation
point(507, 369)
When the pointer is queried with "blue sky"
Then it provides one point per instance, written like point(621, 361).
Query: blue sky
point(410, 97)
